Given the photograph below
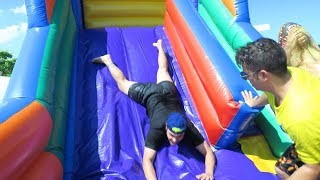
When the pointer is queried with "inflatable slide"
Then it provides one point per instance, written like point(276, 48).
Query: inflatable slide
point(63, 117)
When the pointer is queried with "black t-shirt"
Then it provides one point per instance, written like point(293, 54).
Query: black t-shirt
point(157, 135)
point(160, 101)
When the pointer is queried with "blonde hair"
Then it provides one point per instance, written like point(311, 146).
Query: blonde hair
point(302, 51)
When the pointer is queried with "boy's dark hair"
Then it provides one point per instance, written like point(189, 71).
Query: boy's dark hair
point(263, 54)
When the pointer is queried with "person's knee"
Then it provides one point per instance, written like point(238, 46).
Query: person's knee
point(124, 85)
point(313, 169)
point(307, 172)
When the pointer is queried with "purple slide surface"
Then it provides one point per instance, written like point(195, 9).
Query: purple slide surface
point(110, 128)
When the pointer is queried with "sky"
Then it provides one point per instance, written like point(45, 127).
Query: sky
point(13, 25)
point(269, 15)
point(266, 15)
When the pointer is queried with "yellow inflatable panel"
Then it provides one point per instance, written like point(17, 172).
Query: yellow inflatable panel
point(123, 13)
point(257, 150)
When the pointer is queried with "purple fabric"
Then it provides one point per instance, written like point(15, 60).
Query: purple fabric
point(110, 128)
point(235, 165)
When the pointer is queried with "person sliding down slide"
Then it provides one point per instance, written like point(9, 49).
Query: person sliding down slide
point(167, 118)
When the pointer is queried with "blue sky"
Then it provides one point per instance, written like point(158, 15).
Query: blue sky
point(271, 14)
point(267, 16)
point(13, 25)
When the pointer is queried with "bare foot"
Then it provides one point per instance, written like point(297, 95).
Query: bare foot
point(105, 59)
point(158, 44)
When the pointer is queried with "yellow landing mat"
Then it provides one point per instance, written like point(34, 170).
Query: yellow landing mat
point(257, 150)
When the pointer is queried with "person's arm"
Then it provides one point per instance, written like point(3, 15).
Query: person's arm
point(254, 102)
point(210, 161)
point(307, 171)
point(148, 157)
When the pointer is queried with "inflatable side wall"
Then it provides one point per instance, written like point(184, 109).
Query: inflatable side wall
point(213, 80)
point(35, 106)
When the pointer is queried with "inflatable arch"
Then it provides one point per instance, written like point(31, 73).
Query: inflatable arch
point(63, 117)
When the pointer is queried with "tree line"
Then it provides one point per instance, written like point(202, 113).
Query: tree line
point(6, 63)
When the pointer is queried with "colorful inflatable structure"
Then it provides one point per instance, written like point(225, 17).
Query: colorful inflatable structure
point(64, 117)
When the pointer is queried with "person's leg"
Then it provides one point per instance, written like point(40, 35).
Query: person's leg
point(123, 83)
point(307, 172)
point(163, 73)
point(283, 175)
point(288, 163)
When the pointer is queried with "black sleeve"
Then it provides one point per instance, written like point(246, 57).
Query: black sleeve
point(155, 138)
point(193, 135)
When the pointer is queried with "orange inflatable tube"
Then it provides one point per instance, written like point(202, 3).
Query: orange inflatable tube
point(200, 97)
point(23, 137)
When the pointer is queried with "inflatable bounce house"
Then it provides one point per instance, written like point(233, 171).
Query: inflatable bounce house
point(63, 117)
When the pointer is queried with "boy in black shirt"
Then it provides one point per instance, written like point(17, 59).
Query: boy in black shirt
point(167, 119)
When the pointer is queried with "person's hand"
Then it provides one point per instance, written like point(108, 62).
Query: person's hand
point(249, 99)
point(205, 176)
point(299, 35)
